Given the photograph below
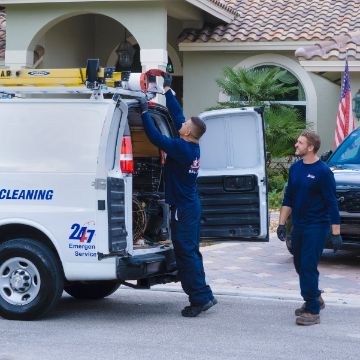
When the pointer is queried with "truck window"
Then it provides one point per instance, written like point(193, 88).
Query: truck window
point(348, 152)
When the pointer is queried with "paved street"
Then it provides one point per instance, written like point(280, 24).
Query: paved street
point(142, 324)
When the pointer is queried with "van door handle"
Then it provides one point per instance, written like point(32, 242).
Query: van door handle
point(101, 205)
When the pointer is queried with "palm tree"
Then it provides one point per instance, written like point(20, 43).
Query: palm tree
point(255, 86)
point(261, 87)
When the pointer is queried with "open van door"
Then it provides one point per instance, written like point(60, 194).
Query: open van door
point(232, 177)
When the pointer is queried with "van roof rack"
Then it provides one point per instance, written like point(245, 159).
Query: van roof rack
point(93, 80)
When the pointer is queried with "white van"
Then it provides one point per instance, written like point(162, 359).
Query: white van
point(81, 196)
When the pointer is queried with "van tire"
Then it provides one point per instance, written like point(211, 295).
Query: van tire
point(23, 259)
point(94, 290)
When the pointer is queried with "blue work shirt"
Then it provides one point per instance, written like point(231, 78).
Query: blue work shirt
point(182, 160)
point(311, 194)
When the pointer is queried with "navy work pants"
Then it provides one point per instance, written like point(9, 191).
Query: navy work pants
point(185, 233)
point(307, 245)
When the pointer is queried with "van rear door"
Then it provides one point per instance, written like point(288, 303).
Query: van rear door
point(113, 184)
point(232, 177)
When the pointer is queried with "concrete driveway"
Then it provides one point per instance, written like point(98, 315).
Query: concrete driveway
point(266, 269)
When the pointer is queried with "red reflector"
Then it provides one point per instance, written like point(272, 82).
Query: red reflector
point(126, 156)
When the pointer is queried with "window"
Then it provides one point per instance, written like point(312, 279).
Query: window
point(295, 98)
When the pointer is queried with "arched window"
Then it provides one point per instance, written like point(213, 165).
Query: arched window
point(296, 97)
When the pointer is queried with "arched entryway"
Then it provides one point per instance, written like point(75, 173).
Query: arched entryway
point(70, 42)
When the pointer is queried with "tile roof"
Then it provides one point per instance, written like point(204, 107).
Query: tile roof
point(282, 20)
point(228, 5)
point(332, 49)
point(2, 33)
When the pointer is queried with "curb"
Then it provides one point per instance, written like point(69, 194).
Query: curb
point(336, 299)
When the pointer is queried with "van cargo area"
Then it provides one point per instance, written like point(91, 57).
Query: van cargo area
point(150, 212)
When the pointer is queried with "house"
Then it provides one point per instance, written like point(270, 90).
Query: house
point(197, 38)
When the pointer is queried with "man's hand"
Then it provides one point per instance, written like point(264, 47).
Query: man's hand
point(336, 241)
point(281, 232)
point(167, 80)
point(143, 105)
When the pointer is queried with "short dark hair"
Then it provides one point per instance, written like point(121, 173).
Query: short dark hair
point(313, 139)
point(198, 128)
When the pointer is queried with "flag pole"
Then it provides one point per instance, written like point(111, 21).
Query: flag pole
point(345, 121)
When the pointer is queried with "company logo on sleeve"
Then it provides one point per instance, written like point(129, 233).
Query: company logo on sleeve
point(195, 166)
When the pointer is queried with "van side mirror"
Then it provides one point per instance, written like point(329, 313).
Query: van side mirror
point(325, 155)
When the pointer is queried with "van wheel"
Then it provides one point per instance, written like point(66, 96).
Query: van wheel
point(31, 279)
point(92, 290)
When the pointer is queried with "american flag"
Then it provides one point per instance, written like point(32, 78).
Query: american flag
point(345, 122)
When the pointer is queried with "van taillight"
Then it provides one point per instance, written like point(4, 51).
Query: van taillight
point(126, 156)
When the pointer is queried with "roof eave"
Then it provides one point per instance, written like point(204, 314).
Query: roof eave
point(242, 45)
point(221, 14)
point(329, 65)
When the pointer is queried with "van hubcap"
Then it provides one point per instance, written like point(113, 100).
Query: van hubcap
point(19, 281)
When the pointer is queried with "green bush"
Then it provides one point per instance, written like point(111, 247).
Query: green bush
point(275, 199)
point(276, 180)
point(276, 183)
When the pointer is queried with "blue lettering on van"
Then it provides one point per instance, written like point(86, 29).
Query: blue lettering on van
point(81, 233)
point(22, 194)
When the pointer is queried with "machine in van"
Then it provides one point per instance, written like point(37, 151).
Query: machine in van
point(82, 195)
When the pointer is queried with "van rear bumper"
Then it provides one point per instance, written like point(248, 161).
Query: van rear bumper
point(146, 266)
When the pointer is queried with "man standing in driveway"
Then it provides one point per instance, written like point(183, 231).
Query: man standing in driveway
point(181, 170)
point(310, 198)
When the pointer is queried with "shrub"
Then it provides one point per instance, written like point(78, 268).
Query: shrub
point(275, 199)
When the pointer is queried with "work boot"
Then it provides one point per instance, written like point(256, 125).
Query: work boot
point(308, 319)
point(301, 310)
point(195, 310)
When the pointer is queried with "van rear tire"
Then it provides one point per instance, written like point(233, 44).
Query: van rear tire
point(94, 290)
point(31, 279)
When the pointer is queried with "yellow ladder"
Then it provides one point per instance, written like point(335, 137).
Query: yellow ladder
point(57, 77)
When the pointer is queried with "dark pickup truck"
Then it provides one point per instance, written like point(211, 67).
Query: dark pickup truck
point(345, 163)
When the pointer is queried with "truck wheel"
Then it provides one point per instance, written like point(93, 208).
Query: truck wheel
point(92, 290)
point(31, 279)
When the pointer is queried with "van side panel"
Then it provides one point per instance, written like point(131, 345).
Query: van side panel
point(44, 136)
point(48, 167)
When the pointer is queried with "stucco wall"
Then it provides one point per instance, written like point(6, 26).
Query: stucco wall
point(355, 87)
point(200, 72)
point(26, 25)
point(91, 36)
point(328, 102)
point(354, 82)
point(201, 91)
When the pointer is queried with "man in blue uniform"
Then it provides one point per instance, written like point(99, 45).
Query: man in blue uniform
point(181, 170)
point(310, 198)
